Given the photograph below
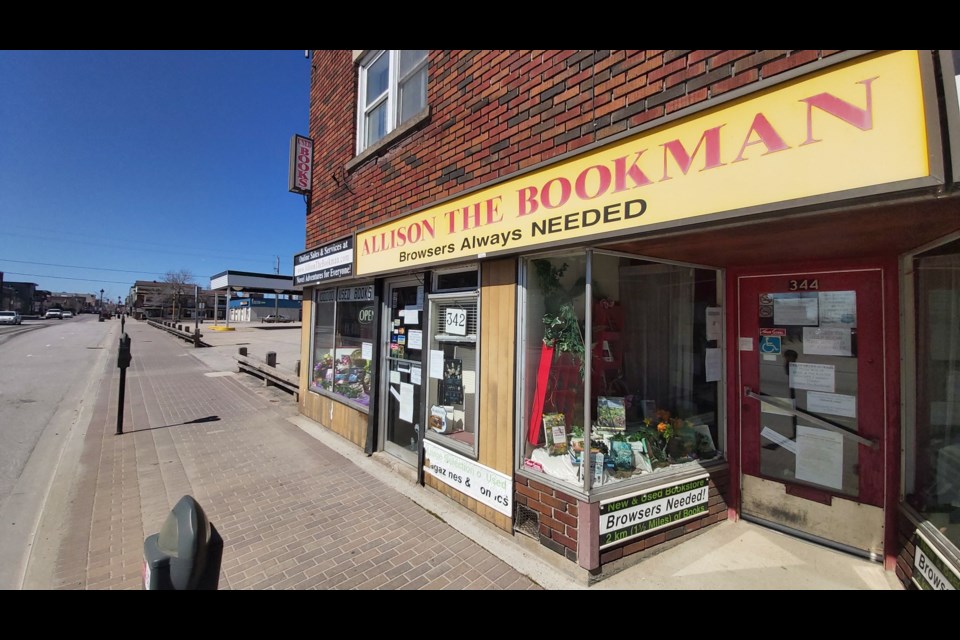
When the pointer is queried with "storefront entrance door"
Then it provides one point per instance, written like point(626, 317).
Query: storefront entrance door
point(402, 424)
point(812, 409)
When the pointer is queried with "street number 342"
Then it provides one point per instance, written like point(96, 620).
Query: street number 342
point(802, 285)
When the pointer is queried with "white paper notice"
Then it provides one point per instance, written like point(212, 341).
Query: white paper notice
point(712, 365)
point(415, 339)
point(838, 308)
point(714, 318)
point(469, 381)
point(794, 311)
point(746, 344)
point(820, 456)
point(366, 350)
point(411, 316)
point(406, 402)
point(394, 377)
point(827, 341)
point(436, 364)
point(835, 404)
point(394, 393)
point(812, 377)
point(769, 407)
point(414, 375)
point(782, 440)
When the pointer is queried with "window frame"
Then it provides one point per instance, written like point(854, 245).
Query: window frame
point(662, 476)
point(910, 382)
point(319, 390)
point(436, 300)
point(391, 96)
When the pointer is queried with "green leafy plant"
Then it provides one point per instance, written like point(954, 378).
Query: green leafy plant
point(561, 328)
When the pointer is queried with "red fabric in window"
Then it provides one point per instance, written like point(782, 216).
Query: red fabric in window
point(539, 395)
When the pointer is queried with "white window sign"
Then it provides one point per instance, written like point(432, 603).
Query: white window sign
point(835, 404)
point(714, 319)
point(456, 321)
point(780, 439)
point(415, 339)
point(827, 341)
point(481, 483)
point(794, 311)
point(820, 456)
point(812, 377)
point(838, 308)
point(436, 364)
point(406, 402)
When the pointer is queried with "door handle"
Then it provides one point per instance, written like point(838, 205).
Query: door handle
point(779, 404)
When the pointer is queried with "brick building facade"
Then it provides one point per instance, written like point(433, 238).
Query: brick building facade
point(732, 237)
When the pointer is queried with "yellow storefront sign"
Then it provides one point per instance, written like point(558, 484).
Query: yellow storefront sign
point(857, 125)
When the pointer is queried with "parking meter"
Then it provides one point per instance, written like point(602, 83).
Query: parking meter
point(186, 554)
point(124, 357)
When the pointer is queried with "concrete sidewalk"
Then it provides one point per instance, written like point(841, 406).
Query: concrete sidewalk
point(301, 508)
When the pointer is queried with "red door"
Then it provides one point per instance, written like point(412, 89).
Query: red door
point(812, 404)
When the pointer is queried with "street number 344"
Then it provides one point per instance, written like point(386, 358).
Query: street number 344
point(802, 285)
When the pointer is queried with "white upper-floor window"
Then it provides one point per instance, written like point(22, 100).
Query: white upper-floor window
point(393, 88)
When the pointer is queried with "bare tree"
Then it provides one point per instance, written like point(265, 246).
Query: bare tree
point(177, 283)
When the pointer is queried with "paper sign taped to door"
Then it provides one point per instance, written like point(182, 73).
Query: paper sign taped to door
point(812, 377)
point(827, 341)
point(820, 456)
point(778, 438)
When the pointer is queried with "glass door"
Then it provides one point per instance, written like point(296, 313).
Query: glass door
point(401, 364)
point(812, 406)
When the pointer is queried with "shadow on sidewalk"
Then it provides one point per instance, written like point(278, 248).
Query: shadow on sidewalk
point(180, 424)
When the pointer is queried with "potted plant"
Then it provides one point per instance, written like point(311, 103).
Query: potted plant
point(561, 333)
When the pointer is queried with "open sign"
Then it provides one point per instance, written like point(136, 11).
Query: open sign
point(366, 315)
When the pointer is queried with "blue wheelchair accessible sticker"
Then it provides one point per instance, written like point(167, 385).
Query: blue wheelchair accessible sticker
point(769, 344)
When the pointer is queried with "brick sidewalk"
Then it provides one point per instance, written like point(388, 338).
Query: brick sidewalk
point(293, 513)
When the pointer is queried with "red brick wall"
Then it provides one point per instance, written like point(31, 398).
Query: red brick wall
point(494, 113)
point(558, 515)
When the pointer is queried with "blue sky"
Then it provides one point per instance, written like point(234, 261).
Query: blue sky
point(118, 166)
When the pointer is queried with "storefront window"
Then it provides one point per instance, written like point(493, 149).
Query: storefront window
point(935, 487)
point(452, 371)
point(343, 343)
point(652, 357)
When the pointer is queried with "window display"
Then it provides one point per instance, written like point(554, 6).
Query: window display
point(934, 489)
point(344, 331)
point(650, 357)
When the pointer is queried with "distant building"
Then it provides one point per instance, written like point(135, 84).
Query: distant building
point(152, 299)
point(76, 302)
point(19, 296)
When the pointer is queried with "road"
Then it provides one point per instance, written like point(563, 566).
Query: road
point(48, 371)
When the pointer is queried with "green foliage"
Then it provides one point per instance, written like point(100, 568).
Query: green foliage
point(561, 328)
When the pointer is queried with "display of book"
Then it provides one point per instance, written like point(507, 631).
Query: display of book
point(611, 413)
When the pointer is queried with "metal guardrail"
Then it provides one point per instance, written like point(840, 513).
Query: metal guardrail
point(269, 372)
point(181, 331)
